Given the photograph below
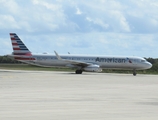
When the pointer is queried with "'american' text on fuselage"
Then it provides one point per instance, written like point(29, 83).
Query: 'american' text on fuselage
point(111, 60)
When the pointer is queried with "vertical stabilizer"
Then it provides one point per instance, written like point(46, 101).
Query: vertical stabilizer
point(19, 47)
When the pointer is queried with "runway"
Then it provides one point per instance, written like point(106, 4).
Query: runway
point(34, 95)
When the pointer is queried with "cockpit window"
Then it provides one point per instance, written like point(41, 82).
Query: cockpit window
point(142, 60)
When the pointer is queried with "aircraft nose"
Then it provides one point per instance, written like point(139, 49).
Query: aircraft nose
point(149, 65)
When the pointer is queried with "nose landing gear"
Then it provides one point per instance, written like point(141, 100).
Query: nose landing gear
point(134, 73)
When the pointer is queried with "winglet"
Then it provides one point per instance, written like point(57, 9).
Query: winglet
point(59, 58)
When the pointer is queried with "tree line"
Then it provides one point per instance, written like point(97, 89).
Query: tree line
point(5, 59)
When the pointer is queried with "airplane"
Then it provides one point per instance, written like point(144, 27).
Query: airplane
point(88, 63)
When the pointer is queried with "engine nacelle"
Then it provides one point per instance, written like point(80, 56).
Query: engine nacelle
point(92, 68)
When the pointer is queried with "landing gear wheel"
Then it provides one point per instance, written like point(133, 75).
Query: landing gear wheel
point(134, 73)
point(78, 71)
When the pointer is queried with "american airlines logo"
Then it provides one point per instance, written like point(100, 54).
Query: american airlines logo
point(113, 60)
point(129, 60)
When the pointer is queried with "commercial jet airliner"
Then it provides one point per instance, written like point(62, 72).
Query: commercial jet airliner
point(93, 63)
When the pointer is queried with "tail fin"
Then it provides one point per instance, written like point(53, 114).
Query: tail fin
point(19, 47)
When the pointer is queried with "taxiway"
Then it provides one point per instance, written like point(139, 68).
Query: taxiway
point(34, 95)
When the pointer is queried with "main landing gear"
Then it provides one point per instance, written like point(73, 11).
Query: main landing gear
point(134, 73)
point(78, 71)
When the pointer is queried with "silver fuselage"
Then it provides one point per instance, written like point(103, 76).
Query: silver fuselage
point(105, 62)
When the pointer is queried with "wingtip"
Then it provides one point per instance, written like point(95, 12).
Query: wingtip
point(55, 52)
point(59, 58)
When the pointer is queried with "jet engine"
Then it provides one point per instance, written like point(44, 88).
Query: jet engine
point(92, 68)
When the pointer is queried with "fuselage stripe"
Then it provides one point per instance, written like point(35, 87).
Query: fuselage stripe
point(20, 58)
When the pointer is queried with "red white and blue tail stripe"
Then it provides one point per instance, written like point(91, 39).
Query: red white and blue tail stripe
point(19, 47)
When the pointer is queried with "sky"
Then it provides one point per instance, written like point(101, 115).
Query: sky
point(99, 27)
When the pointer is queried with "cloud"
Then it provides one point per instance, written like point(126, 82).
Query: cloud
point(82, 16)
point(97, 26)
point(9, 6)
point(78, 12)
point(11, 23)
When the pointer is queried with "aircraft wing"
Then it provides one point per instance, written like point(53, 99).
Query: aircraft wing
point(73, 62)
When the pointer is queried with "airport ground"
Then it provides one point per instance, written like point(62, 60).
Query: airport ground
point(48, 95)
